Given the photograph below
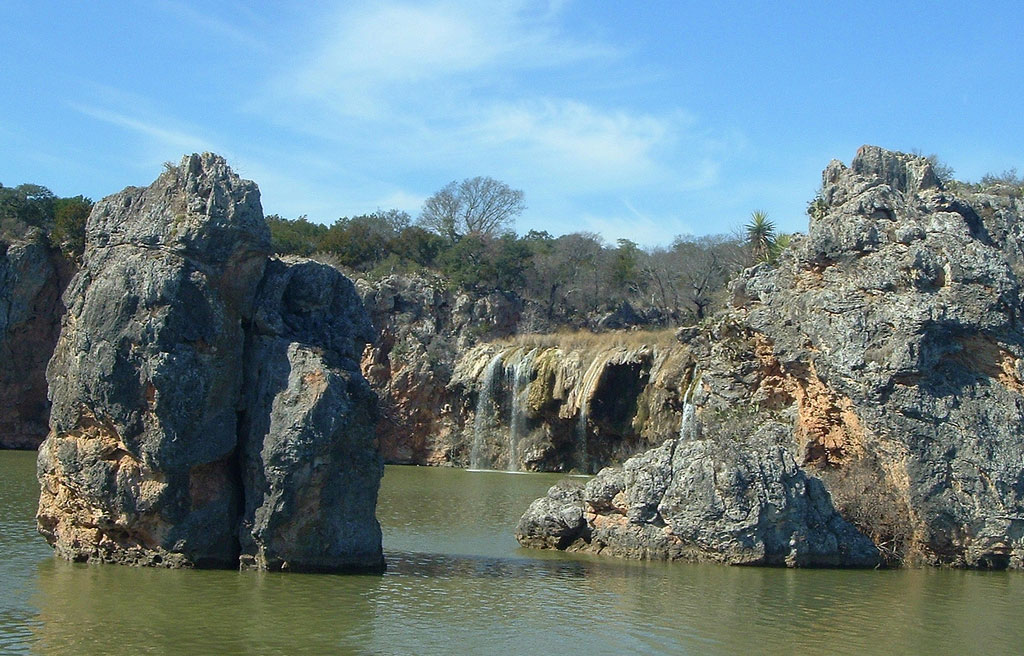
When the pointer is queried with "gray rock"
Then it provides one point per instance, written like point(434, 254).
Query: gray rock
point(312, 470)
point(862, 401)
point(554, 521)
point(173, 334)
point(706, 501)
point(903, 308)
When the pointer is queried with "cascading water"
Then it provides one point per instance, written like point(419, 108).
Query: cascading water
point(518, 380)
point(585, 390)
point(688, 425)
point(484, 412)
point(580, 447)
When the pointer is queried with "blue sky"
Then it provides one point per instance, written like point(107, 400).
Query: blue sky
point(641, 120)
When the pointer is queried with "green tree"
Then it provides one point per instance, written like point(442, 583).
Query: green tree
point(414, 245)
point(69, 217)
point(295, 237)
point(24, 207)
point(362, 242)
point(624, 273)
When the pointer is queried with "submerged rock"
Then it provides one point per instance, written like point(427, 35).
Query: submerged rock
point(869, 386)
point(167, 377)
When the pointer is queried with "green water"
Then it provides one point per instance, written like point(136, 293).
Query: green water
point(458, 583)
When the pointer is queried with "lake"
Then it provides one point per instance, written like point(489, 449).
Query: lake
point(458, 583)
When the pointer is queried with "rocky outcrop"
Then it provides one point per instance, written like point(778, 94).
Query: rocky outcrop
point(702, 500)
point(207, 407)
point(312, 469)
point(876, 371)
point(428, 367)
point(32, 279)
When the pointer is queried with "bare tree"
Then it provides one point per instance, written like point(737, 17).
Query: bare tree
point(479, 205)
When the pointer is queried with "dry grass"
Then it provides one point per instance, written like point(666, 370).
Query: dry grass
point(586, 340)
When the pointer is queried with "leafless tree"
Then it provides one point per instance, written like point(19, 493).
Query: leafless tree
point(479, 205)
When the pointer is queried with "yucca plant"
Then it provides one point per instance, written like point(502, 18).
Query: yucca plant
point(760, 236)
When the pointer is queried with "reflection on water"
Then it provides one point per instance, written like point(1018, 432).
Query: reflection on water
point(458, 583)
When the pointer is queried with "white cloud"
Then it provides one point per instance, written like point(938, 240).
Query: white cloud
point(578, 141)
point(374, 57)
point(396, 92)
point(166, 139)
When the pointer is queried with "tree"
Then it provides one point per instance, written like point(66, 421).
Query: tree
point(363, 241)
point(480, 205)
point(298, 237)
point(69, 216)
point(760, 236)
point(23, 207)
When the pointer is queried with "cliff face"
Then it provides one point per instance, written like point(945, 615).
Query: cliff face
point(869, 387)
point(453, 382)
point(421, 330)
point(189, 388)
point(32, 279)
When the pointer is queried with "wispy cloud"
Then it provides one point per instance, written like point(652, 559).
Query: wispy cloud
point(590, 146)
point(169, 139)
point(208, 22)
point(374, 57)
point(444, 90)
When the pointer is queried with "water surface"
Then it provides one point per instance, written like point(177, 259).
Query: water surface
point(458, 583)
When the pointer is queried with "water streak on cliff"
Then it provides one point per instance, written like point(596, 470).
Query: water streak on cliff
point(484, 411)
point(688, 426)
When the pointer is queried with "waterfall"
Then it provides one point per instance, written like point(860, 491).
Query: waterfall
point(518, 382)
point(580, 447)
point(688, 426)
point(584, 390)
point(484, 405)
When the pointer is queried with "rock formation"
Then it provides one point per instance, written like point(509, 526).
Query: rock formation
point(207, 407)
point(870, 385)
point(32, 278)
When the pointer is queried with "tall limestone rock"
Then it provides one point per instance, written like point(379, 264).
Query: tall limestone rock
point(868, 387)
point(311, 466)
point(159, 403)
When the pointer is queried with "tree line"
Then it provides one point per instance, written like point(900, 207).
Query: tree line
point(464, 233)
point(31, 209)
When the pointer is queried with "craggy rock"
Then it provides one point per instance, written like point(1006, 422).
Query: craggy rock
point(159, 400)
point(312, 472)
point(32, 278)
point(878, 368)
point(701, 500)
